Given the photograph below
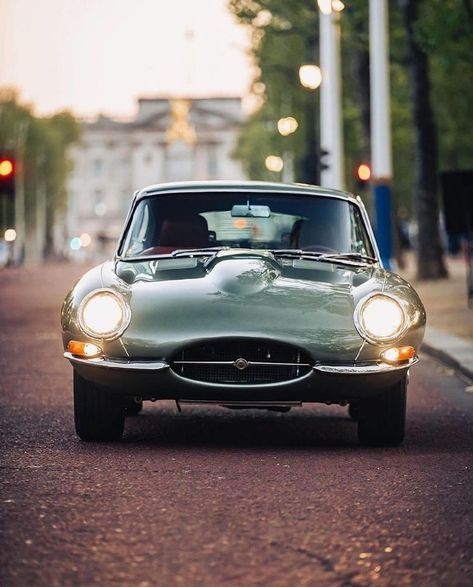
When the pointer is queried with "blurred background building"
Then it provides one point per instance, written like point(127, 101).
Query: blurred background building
point(168, 140)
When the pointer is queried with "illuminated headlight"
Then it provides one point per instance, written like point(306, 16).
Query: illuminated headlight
point(380, 318)
point(103, 314)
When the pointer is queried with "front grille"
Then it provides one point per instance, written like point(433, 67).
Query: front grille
point(263, 362)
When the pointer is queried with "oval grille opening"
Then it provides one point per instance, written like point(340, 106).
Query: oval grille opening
point(241, 362)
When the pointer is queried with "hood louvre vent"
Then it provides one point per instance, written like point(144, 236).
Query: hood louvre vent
point(241, 362)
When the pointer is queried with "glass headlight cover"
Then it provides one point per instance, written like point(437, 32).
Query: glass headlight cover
point(380, 318)
point(103, 314)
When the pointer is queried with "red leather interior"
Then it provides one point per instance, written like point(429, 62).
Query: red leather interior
point(189, 232)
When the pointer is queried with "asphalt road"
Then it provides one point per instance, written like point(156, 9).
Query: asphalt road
point(216, 497)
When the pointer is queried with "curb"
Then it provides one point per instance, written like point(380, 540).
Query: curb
point(455, 352)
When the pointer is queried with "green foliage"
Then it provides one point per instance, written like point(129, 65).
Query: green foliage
point(446, 33)
point(279, 33)
point(41, 148)
point(285, 35)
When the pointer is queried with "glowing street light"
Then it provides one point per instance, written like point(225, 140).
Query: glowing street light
point(310, 76)
point(338, 5)
point(287, 126)
point(274, 163)
point(326, 6)
point(10, 235)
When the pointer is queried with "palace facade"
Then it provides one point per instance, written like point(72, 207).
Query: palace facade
point(169, 140)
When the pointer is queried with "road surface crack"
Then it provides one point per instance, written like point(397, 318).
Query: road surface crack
point(325, 563)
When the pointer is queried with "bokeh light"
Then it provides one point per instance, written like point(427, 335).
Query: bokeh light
point(310, 76)
point(75, 243)
point(10, 235)
point(85, 239)
point(287, 126)
point(274, 163)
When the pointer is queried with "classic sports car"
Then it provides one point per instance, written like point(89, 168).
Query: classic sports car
point(246, 295)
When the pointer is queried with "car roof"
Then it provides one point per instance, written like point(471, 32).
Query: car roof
point(244, 186)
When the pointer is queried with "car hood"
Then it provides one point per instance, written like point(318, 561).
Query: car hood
point(176, 302)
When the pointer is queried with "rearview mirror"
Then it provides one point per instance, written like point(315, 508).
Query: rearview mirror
point(248, 211)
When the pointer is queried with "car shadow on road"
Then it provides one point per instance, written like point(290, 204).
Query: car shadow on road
point(314, 426)
point(247, 428)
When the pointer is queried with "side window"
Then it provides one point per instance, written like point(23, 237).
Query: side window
point(359, 237)
point(138, 232)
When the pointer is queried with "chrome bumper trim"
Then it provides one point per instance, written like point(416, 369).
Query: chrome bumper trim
point(249, 363)
point(364, 369)
point(118, 364)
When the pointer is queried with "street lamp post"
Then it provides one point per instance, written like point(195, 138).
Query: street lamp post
point(310, 77)
point(20, 205)
point(41, 212)
point(287, 126)
point(381, 156)
point(331, 129)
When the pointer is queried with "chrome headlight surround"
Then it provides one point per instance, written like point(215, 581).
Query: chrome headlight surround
point(121, 325)
point(363, 329)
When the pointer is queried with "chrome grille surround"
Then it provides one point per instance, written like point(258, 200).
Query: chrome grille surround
point(241, 362)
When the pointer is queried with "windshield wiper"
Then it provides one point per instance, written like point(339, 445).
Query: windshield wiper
point(351, 258)
point(203, 251)
point(177, 253)
point(295, 253)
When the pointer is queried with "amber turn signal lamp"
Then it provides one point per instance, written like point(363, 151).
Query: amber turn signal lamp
point(398, 354)
point(83, 349)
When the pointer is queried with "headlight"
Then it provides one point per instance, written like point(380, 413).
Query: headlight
point(380, 318)
point(103, 314)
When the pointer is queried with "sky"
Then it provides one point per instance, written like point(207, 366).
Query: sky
point(98, 56)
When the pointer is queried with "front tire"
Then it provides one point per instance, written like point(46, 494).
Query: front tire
point(354, 412)
point(382, 422)
point(98, 415)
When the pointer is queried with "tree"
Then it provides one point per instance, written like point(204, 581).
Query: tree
point(282, 39)
point(430, 254)
point(431, 44)
point(45, 164)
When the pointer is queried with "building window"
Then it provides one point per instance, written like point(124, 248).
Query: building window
point(126, 200)
point(179, 162)
point(212, 161)
point(98, 167)
point(100, 208)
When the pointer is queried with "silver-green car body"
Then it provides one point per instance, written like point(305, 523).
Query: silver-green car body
point(238, 296)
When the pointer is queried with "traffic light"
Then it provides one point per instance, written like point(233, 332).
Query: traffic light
point(362, 175)
point(7, 176)
point(324, 159)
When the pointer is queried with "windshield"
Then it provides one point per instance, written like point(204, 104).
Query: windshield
point(165, 223)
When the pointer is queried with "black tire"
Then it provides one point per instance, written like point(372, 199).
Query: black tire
point(98, 415)
point(132, 407)
point(382, 422)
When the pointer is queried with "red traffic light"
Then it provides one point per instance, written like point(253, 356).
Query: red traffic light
point(363, 172)
point(7, 167)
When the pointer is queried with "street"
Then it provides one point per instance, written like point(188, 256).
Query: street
point(212, 496)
